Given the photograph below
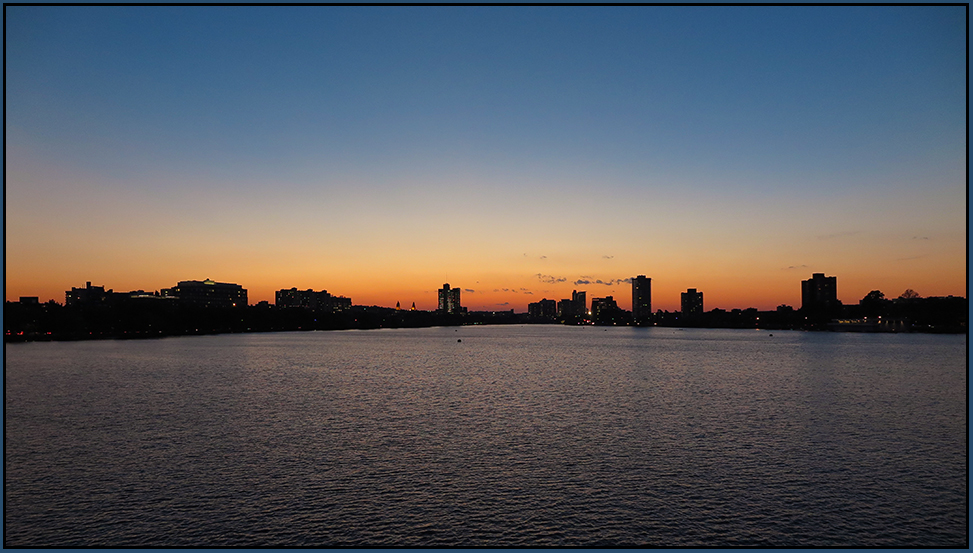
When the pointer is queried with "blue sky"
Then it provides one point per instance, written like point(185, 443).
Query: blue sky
point(668, 114)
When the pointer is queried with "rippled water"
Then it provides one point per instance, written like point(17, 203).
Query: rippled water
point(536, 435)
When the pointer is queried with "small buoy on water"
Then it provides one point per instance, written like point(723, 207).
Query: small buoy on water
point(771, 334)
point(459, 340)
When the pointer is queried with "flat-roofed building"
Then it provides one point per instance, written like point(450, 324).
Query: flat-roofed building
point(692, 303)
point(208, 293)
point(340, 303)
point(600, 307)
point(819, 293)
point(89, 295)
point(544, 309)
point(449, 300)
point(641, 300)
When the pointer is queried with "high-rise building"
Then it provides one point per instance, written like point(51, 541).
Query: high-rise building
point(692, 303)
point(544, 309)
point(819, 293)
point(574, 308)
point(641, 299)
point(449, 300)
point(580, 303)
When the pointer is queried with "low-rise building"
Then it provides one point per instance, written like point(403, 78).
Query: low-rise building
point(89, 295)
point(208, 293)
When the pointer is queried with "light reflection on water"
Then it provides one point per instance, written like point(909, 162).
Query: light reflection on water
point(533, 435)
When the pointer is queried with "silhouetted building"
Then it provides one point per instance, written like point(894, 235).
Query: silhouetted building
point(292, 298)
point(641, 300)
point(574, 308)
point(580, 303)
point(309, 299)
point(89, 295)
point(544, 309)
point(600, 306)
point(692, 303)
point(449, 300)
point(208, 293)
point(819, 293)
point(29, 300)
point(340, 304)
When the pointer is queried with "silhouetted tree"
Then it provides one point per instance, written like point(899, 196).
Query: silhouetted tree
point(874, 303)
point(874, 295)
point(909, 294)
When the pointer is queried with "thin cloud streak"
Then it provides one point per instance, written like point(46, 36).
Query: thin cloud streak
point(839, 235)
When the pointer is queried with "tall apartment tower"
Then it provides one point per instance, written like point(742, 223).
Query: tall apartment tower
point(692, 303)
point(641, 299)
point(819, 292)
point(449, 300)
point(580, 301)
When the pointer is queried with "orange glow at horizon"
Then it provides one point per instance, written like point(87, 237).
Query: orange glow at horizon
point(502, 294)
point(379, 248)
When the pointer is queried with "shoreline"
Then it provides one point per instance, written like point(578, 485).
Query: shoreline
point(137, 335)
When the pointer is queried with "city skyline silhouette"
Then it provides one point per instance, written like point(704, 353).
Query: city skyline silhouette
point(210, 307)
point(522, 152)
point(295, 275)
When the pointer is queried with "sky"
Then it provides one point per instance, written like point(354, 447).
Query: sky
point(517, 153)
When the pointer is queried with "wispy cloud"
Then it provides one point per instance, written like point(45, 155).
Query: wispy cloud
point(469, 291)
point(611, 282)
point(608, 257)
point(793, 267)
point(543, 257)
point(839, 235)
point(504, 303)
point(550, 279)
point(920, 238)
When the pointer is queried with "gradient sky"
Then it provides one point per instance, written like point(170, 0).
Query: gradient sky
point(514, 152)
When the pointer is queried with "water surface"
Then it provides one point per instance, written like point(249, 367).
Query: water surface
point(502, 435)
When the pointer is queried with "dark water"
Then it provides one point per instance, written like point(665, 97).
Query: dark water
point(538, 435)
